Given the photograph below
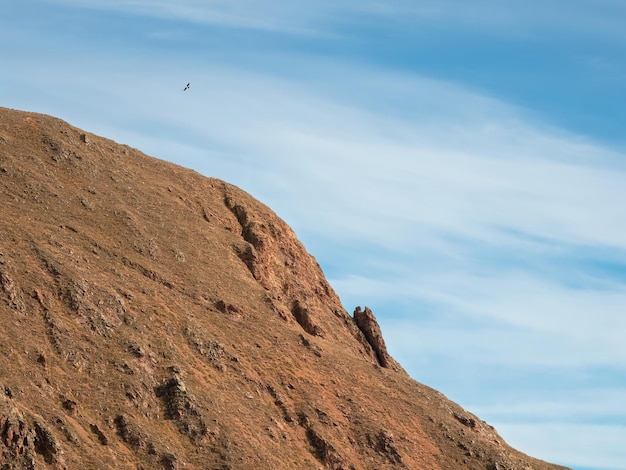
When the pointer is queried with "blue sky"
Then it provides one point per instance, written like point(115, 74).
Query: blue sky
point(458, 167)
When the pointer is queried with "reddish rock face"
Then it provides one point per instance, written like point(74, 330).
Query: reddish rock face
point(155, 318)
point(368, 325)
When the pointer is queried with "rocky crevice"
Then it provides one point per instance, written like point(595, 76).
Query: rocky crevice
point(321, 447)
point(180, 407)
point(305, 319)
point(384, 444)
point(23, 439)
point(12, 291)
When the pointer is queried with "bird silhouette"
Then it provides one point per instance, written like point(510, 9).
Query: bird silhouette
point(186, 87)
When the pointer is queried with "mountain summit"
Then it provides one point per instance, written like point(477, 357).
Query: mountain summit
point(155, 318)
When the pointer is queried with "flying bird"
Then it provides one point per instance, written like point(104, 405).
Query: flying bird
point(186, 87)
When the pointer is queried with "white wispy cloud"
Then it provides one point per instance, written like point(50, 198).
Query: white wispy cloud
point(576, 426)
point(576, 406)
point(293, 17)
point(601, 17)
point(598, 446)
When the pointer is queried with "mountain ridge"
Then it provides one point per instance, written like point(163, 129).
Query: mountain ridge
point(157, 318)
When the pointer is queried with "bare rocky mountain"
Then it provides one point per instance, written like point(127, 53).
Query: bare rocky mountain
point(155, 318)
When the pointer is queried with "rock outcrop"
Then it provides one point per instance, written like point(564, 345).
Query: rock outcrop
point(25, 440)
point(366, 322)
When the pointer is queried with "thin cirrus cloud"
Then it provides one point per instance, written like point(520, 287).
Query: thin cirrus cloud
point(600, 16)
point(585, 447)
point(268, 15)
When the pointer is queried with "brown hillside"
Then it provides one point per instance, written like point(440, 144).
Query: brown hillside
point(155, 318)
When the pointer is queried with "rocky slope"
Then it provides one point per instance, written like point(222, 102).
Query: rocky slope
point(155, 318)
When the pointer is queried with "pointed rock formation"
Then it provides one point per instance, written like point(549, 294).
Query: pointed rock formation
point(368, 325)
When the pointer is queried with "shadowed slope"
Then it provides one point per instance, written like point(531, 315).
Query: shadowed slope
point(156, 318)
